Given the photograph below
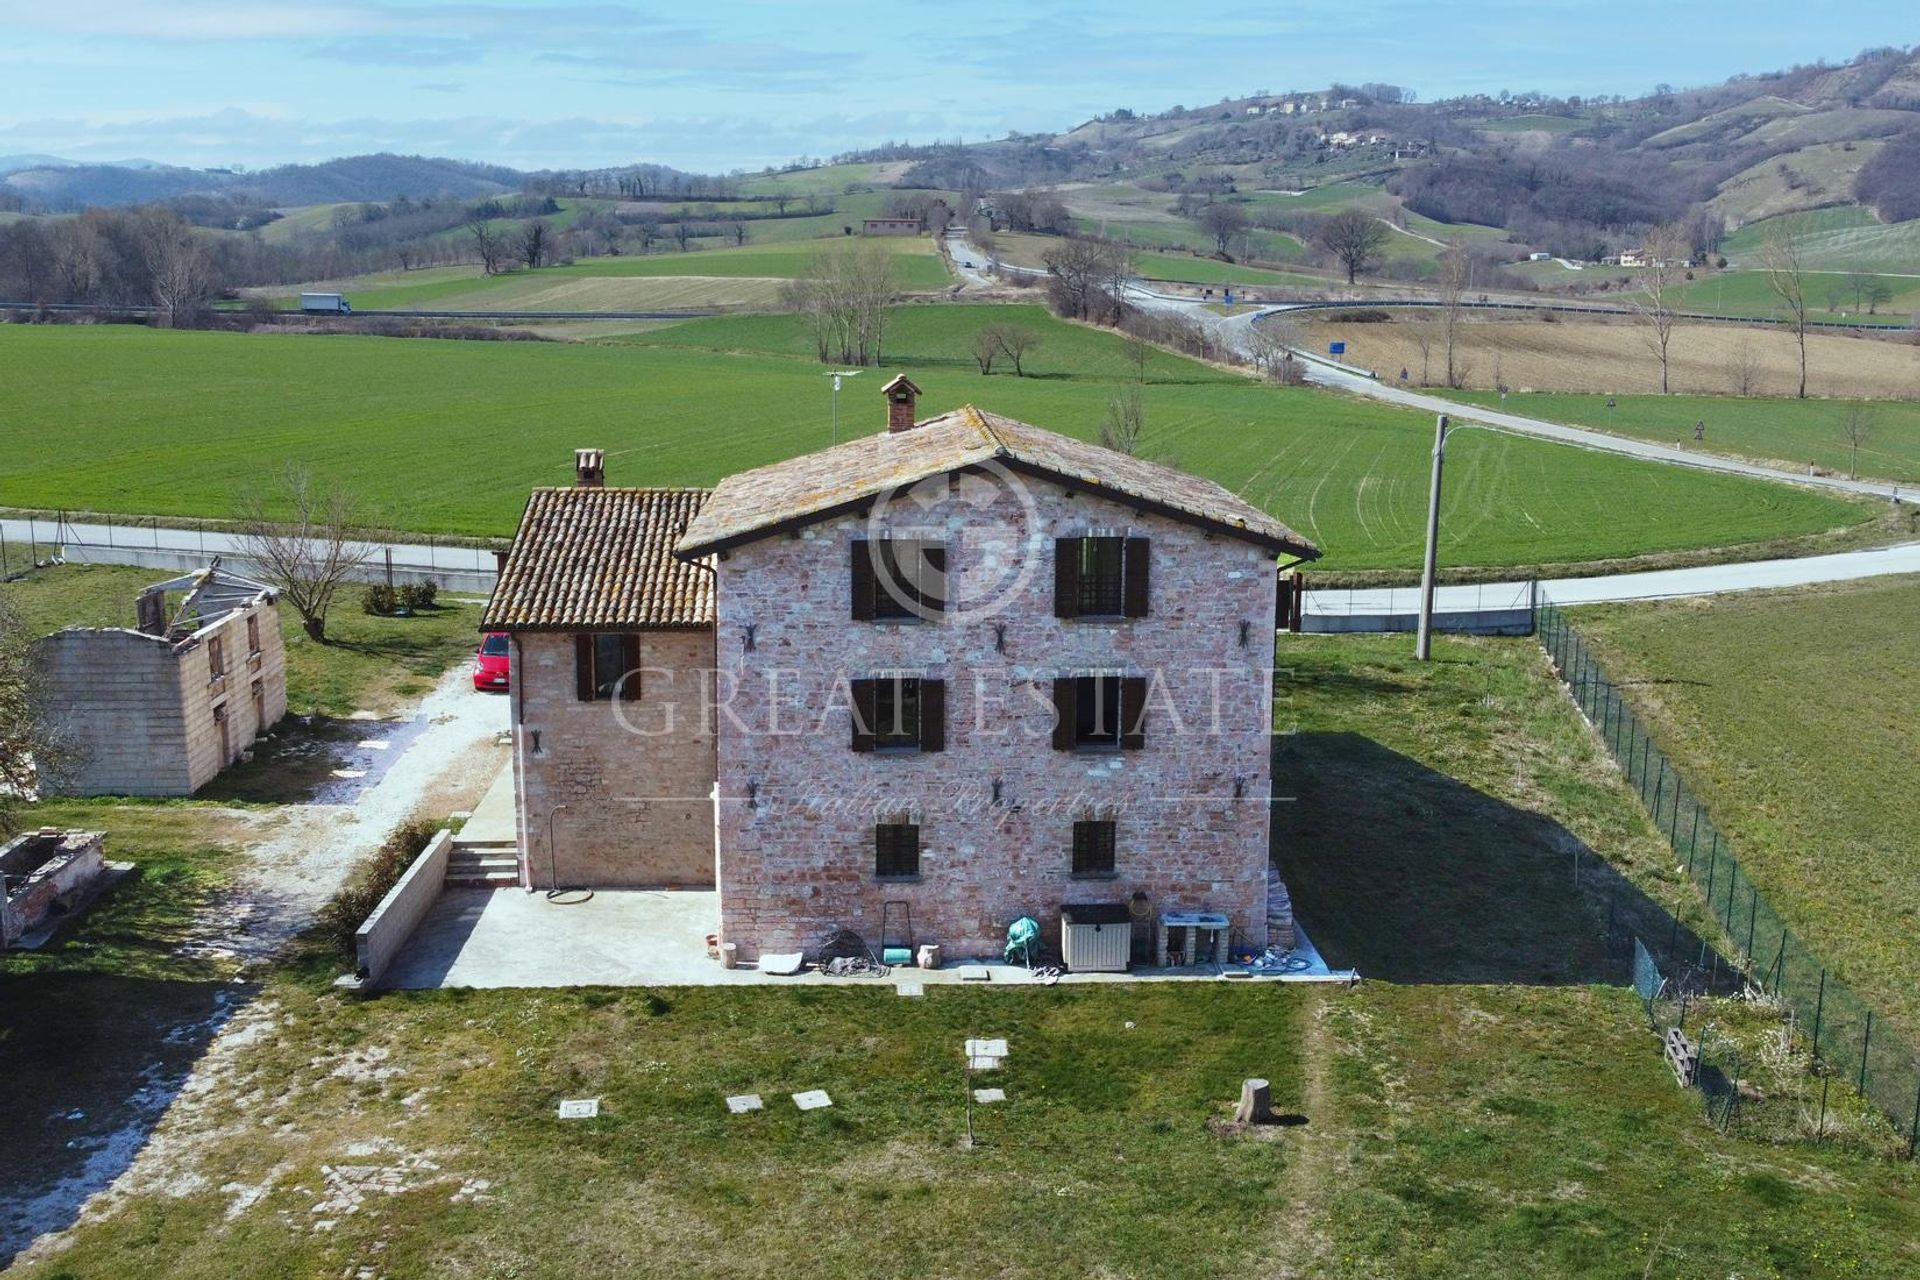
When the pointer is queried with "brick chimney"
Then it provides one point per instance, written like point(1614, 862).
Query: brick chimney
point(589, 468)
point(901, 395)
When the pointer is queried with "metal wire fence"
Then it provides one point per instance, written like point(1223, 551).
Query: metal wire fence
point(1849, 1040)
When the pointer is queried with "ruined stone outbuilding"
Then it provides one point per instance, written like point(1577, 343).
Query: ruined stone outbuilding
point(160, 708)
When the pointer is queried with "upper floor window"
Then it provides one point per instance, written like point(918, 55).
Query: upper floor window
point(1091, 712)
point(253, 633)
point(606, 665)
point(898, 579)
point(899, 713)
point(216, 657)
point(1100, 576)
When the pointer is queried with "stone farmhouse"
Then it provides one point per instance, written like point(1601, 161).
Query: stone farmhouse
point(159, 708)
point(962, 671)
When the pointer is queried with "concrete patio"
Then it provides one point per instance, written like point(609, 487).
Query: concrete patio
point(641, 937)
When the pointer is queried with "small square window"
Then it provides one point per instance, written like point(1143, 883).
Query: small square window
point(1093, 848)
point(1100, 582)
point(896, 850)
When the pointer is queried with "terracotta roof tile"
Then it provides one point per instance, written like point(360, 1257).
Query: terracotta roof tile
point(817, 485)
point(587, 558)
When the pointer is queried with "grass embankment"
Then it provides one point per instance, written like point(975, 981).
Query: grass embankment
point(1610, 356)
point(1787, 433)
point(1793, 716)
point(450, 435)
point(370, 663)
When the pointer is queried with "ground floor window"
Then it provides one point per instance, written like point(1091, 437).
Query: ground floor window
point(1093, 848)
point(896, 850)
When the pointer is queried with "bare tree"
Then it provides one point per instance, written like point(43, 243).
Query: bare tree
point(986, 349)
point(1421, 331)
point(32, 746)
point(312, 552)
point(1222, 221)
point(1744, 369)
point(1270, 345)
point(487, 242)
point(1455, 272)
point(737, 232)
point(844, 294)
point(1126, 422)
point(533, 244)
point(683, 234)
point(1879, 294)
point(1013, 341)
point(1780, 256)
point(1355, 238)
point(1086, 277)
point(1856, 426)
point(1653, 305)
point(179, 269)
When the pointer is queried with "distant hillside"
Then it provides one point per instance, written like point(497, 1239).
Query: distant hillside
point(62, 185)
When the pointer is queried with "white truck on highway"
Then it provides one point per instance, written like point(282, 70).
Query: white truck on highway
point(330, 304)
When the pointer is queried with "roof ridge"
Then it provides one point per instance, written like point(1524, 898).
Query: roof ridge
point(978, 421)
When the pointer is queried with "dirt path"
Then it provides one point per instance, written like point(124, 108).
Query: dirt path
point(1303, 1245)
point(296, 858)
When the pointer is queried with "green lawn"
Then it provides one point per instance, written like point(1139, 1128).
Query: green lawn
point(448, 436)
point(1747, 293)
point(372, 663)
point(1191, 270)
point(1787, 431)
point(1793, 716)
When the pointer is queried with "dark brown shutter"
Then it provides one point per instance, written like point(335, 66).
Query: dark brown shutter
point(862, 564)
point(865, 711)
point(583, 667)
point(1133, 712)
point(1066, 577)
point(933, 576)
point(630, 667)
point(1282, 601)
point(933, 715)
point(1133, 568)
point(1063, 712)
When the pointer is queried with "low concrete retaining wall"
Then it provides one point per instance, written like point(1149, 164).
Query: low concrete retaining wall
point(458, 581)
point(379, 939)
point(1482, 622)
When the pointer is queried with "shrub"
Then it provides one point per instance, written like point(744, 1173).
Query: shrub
point(379, 600)
point(415, 596)
point(341, 918)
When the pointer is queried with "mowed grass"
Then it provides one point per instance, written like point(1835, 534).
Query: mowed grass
point(1794, 716)
point(1829, 297)
point(449, 436)
point(1792, 432)
point(372, 663)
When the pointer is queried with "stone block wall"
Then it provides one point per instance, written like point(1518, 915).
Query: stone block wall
point(797, 806)
point(636, 777)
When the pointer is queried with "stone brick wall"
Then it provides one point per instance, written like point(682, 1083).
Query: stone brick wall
point(797, 805)
point(636, 777)
point(141, 710)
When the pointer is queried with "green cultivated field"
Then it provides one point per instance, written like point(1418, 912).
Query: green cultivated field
point(1794, 715)
point(1747, 293)
point(1793, 432)
point(448, 436)
point(1846, 238)
point(1191, 270)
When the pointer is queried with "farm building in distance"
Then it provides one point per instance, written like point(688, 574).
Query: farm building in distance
point(891, 227)
point(965, 668)
point(159, 708)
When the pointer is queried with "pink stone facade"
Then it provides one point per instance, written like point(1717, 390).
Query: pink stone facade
point(624, 788)
point(797, 805)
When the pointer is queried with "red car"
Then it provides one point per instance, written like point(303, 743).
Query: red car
point(490, 663)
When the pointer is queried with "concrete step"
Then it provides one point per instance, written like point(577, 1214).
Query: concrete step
point(506, 847)
point(470, 865)
point(486, 880)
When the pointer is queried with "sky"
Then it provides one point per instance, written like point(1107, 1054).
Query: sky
point(742, 84)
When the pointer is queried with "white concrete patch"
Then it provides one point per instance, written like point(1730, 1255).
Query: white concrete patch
point(910, 989)
point(983, 1063)
point(986, 1048)
point(742, 1103)
point(812, 1100)
point(579, 1108)
point(974, 973)
point(989, 1095)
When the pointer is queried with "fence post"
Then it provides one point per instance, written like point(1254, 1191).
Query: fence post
point(1866, 1044)
point(1693, 841)
point(1712, 858)
point(1659, 785)
point(1753, 917)
point(1819, 1011)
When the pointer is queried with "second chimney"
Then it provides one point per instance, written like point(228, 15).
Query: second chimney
point(589, 468)
point(901, 395)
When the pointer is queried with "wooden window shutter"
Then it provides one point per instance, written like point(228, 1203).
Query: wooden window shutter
point(865, 712)
point(1133, 567)
point(1133, 712)
point(583, 667)
point(1066, 577)
point(630, 667)
point(1063, 712)
point(862, 565)
point(932, 575)
point(933, 715)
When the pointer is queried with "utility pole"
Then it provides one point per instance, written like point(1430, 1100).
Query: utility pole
point(836, 375)
point(1423, 646)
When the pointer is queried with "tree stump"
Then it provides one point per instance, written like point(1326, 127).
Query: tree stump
point(1256, 1103)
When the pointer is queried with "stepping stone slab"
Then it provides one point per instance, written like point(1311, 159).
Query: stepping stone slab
point(986, 1048)
point(783, 963)
point(989, 1095)
point(974, 973)
point(579, 1108)
point(983, 1063)
point(742, 1103)
point(910, 989)
point(812, 1100)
